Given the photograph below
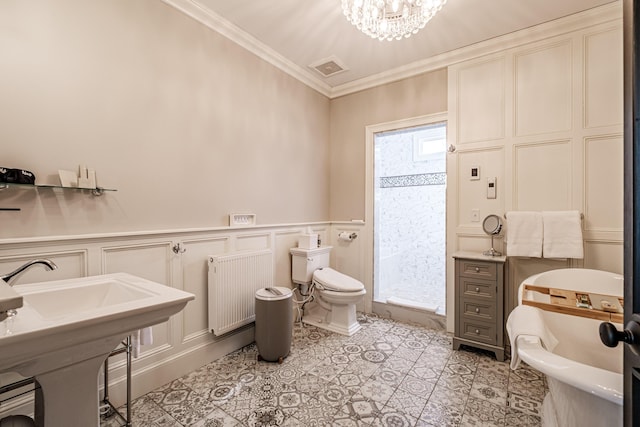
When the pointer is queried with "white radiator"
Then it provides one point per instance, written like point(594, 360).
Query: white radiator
point(233, 282)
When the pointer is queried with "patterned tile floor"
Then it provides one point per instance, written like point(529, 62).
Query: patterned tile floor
point(388, 374)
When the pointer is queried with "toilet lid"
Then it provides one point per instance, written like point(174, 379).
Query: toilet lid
point(333, 280)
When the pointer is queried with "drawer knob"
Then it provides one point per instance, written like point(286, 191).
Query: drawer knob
point(477, 310)
point(477, 269)
point(477, 331)
point(477, 289)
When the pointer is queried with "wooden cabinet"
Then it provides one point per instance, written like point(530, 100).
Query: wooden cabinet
point(479, 305)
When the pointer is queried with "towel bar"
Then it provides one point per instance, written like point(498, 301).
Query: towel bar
point(581, 215)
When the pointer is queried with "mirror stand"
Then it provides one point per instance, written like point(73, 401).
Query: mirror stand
point(492, 252)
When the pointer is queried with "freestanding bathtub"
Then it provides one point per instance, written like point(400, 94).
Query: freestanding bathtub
point(584, 376)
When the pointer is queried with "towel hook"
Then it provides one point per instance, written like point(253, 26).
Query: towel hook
point(178, 249)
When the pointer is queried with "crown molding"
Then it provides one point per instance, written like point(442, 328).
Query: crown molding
point(599, 15)
point(225, 28)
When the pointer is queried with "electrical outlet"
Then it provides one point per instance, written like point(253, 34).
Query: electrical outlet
point(475, 215)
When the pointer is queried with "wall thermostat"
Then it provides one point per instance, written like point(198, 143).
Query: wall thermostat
point(491, 188)
point(474, 173)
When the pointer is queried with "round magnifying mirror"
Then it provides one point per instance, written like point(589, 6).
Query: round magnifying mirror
point(492, 225)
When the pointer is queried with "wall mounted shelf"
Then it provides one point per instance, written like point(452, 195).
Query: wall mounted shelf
point(98, 191)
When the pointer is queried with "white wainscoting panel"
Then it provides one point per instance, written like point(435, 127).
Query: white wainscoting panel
point(284, 240)
point(151, 261)
point(543, 84)
point(542, 176)
point(481, 101)
point(253, 242)
point(603, 184)
point(603, 84)
point(607, 256)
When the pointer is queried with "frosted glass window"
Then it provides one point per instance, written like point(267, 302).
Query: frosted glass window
point(430, 144)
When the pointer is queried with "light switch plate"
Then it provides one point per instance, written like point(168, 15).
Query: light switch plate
point(491, 188)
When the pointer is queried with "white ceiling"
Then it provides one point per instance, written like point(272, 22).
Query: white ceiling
point(298, 33)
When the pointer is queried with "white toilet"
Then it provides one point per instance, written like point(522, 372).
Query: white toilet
point(335, 295)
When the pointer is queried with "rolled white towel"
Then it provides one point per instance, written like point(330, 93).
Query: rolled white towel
point(527, 320)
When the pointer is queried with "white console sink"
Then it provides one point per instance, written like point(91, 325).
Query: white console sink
point(66, 329)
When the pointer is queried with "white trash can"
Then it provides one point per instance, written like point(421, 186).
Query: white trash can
point(274, 323)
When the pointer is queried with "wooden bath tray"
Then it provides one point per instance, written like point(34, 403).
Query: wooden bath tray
point(564, 301)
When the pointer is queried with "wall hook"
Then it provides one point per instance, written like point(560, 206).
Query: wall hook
point(178, 249)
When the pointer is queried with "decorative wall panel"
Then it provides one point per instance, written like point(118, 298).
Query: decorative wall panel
point(481, 101)
point(542, 176)
point(607, 256)
point(543, 90)
point(603, 89)
point(284, 241)
point(251, 242)
point(603, 183)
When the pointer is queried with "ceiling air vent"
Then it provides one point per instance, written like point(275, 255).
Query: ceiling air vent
point(329, 66)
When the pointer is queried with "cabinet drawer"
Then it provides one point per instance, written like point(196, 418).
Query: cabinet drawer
point(479, 331)
point(477, 288)
point(478, 310)
point(478, 269)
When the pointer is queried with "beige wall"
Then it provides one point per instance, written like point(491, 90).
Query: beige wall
point(350, 114)
point(187, 125)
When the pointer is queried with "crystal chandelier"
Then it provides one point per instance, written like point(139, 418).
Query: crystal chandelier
point(390, 19)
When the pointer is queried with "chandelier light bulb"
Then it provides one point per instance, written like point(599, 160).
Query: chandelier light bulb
point(390, 19)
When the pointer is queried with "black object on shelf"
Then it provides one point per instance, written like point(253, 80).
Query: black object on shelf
point(9, 209)
point(17, 176)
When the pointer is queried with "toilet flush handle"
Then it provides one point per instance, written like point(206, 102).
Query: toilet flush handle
point(310, 259)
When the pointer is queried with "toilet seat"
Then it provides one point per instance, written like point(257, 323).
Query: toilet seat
point(332, 280)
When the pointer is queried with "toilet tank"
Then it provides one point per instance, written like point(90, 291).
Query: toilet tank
point(305, 261)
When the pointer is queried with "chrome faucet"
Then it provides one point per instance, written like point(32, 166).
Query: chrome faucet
point(8, 278)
